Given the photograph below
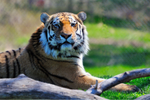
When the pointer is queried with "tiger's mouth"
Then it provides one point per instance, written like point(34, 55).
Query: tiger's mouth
point(66, 42)
point(66, 46)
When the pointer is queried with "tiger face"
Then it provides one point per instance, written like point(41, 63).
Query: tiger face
point(64, 35)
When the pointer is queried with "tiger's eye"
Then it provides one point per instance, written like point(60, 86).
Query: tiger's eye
point(56, 26)
point(73, 24)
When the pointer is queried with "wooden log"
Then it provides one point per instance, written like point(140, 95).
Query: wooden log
point(23, 87)
point(144, 97)
point(121, 78)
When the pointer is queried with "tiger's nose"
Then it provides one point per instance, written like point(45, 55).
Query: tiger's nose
point(65, 35)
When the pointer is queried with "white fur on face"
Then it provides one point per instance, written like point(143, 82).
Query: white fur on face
point(64, 47)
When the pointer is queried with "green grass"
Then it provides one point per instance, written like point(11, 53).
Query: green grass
point(108, 55)
point(111, 70)
point(142, 83)
point(106, 72)
point(105, 61)
point(103, 31)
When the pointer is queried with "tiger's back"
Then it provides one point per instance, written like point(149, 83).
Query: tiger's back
point(9, 64)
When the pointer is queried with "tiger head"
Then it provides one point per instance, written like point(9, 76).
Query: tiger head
point(64, 35)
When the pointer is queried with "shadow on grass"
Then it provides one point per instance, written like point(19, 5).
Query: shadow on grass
point(106, 55)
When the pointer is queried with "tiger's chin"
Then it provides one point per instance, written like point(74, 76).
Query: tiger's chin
point(67, 51)
point(66, 47)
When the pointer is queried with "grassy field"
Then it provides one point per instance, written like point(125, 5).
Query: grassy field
point(109, 60)
point(142, 83)
point(127, 36)
point(108, 71)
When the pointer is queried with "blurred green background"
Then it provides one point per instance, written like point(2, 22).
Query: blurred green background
point(118, 30)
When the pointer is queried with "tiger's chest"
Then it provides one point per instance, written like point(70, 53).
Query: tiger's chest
point(67, 69)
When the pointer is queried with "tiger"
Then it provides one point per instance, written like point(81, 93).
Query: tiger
point(54, 54)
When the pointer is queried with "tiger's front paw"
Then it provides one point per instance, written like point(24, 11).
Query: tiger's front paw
point(125, 87)
point(133, 88)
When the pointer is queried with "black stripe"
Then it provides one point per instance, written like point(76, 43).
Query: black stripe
point(79, 35)
point(35, 39)
point(53, 27)
point(79, 26)
point(8, 52)
point(36, 44)
point(46, 72)
point(77, 29)
point(35, 36)
point(83, 33)
point(14, 53)
point(45, 31)
point(7, 67)
point(31, 60)
point(83, 36)
point(82, 43)
point(49, 27)
point(14, 70)
point(55, 47)
point(18, 65)
point(19, 49)
point(60, 77)
point(72, 56)
point(50, 35)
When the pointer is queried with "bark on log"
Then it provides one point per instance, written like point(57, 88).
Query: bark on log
point(23, 87)
point(124, 77)
point(144, 97)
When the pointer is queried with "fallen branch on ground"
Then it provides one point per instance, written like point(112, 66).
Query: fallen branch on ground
point(98, 89)
point(23, 87)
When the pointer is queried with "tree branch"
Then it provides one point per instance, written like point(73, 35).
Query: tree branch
point(23, 87)
point(121, 78)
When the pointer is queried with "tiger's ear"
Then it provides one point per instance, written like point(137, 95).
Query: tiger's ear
point(44, 17)
point(82, 15)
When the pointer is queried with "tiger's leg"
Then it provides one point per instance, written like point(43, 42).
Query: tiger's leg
point(84, 82)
